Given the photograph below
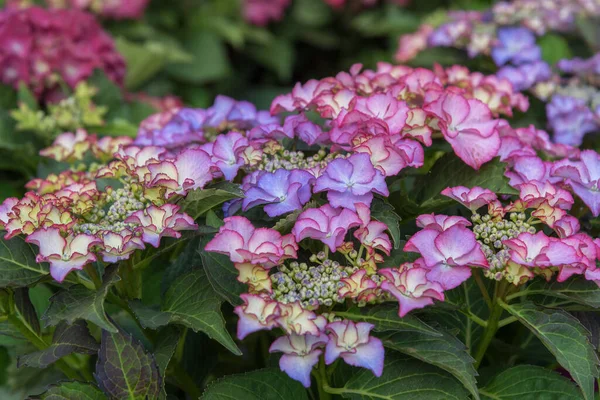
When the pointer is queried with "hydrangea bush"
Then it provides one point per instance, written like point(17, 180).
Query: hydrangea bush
point(381, 233)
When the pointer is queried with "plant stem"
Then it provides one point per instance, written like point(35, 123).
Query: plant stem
point(482, 288)
point(492, 323)
point(322, 383)
point(93, 274)
point(506, 321)
point(185, 382)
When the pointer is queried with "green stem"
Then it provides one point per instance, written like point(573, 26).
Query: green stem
point(482, 288)
point(506, 321)
point(322, 383)
point(41, 344)
point(492, 323)
point(90, 269)
point(113, 298)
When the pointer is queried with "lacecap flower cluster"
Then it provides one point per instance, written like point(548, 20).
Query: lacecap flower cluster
point(318, 160)
point(110, 9)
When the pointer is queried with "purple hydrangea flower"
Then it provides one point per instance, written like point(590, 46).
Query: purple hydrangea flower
point(301, 354)
point(525, 76)
point(283, 191)
point(570, 119)
point(351, 180)
point(517, 45)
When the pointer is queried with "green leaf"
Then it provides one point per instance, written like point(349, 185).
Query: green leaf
point(313, 13)
point(67, 339)
point(403, 378)
point(451, 171)
point(385, 318)
point(445, 352)
point(554, 48)
point(78, 302)
point(143, 61)
point(209, 63)
point(590, 31)
point(222, 275)
point(565, 337)
point(398, 256)
point(18, 267)
point(200, 201)
point(278, 55)
point(125, 370)
point(109, 94)
point(25, 96)
point(191, 302)
point(26, 310)
point(71, 391)
point(529, 382)
point(166, 342)
point(266, 384)
point(577, 289)
point(385, 213)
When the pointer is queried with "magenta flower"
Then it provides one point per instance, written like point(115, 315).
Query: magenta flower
point(468, 126)
point(411, 288)
point(371, 234)
point(440, 222)
point(156, 222)
point(448, 254)
point(283, 191)
point(257, 313)
point(119, 246)
point(226, 153)
point(295, 319)
point(473, 199)
point(63, 254)
point(539, 250)
point(534, 193)
point(243, 243)
point(583, 177)
point(301, 354)
point(383, 154)
point(382, 106)
point(327, 224)
point(299, 126)
point(357, 286)
point(190, 170)
point(566, 226)
point(351, 180)
point(351, 341)
point(587, 253)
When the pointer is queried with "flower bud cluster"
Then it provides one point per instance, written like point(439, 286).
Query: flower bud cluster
point(311, 285)
point(290, 160)
point(491, 234)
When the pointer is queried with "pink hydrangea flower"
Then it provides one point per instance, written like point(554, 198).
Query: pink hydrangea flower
point(226, 153)
point(440, 222)
point(301, 354)
point(468, 126)
point(358, 286)
point(300, 321)
point(352, 342)
point(119, 246)
point(539, 250)
point(411, 287)
point(261, 12)
point(387, 157)
point(190, 170)
point(566, 226)
point(64, 254)
point(534, 193)
point(448, 254)
point(243, 243)
point(351, 180)
point(371, 234)
point(583, 177)
point(473, 199)
point(257, 313)
point(69, 146)
point(158, 222)
point(327, 224)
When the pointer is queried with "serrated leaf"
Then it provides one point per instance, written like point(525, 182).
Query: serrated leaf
point(71, 391)
point(385, 213)
point(565, 337)
point(222, 275)
point(266, 384)
point(78, 302)
point(18, 267)
point(385, 318)
point(125, 370)
point(577, 289)
point(191, 302)
point(67, 339)
point(445, 352)
point(200, 201)
point(451, 171)
point(26, 310)
point(166, 342)
point(403, 378)
point(529, 382)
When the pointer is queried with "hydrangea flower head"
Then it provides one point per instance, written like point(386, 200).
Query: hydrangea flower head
point(327, 224)
point(517, 45)
point(583, 177)
point(539, 250)
point(190, 170)
point(473, 199)
point(158, 222)
point(411, 287)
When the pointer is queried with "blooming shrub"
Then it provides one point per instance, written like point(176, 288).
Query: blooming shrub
point(373, 225)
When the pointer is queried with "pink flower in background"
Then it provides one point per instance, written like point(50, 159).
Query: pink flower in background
point(243, 243)
point(473, 199)
point(114, 9)
point(63, 254)
point(583, 177)
point(411, 287)
point(352, 343)
point(327, 224)
point(468, 126)
point(261, 12)
point(448, 254)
